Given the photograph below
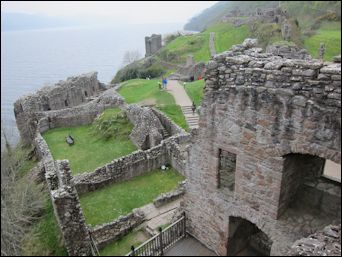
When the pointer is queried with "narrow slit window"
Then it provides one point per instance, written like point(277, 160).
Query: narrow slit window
point(227, 167)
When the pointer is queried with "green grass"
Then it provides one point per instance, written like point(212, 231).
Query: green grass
point(227, 35)
point(196, 45)
point(140, 90)
point(91, 149)
point(109, 203)
point(45, 237)
point(195, 91)
point(174, 112)
point(330, 34)
point(148, 92)
point(123, 246)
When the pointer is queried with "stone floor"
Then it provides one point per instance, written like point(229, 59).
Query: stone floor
point(189, 247)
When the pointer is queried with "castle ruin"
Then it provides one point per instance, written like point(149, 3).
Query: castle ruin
point(152, 44)
point(268, 130)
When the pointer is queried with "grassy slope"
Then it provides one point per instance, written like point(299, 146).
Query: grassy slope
point(226, 35)
point(107, 204)
point(147, 91)
point(330, 34)
point(90, 150)
point(195, 91)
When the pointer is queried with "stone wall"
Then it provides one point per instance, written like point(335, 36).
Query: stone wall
point(171, 127)
point(65, 201)
point(148, 130)
point(326, 242)
point(288, 51)
point(106, 233)
point(177, 148)
point(259, 107)
point(122, 169)
point(64, 94)
point(79, 115)
point(170, 196)
point(136, 164)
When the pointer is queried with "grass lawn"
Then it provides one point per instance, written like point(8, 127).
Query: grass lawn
point(91, 149)
point(227, 35)
point(123, 246)
point(107, 204)
point(142, 90)
point(330, 34)
point(195, 91)
point(148, 92)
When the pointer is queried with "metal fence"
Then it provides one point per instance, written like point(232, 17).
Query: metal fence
point(161, 242)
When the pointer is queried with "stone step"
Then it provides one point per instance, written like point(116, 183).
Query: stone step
point(165, 133)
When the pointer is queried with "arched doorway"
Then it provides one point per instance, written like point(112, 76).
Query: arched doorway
point(246, 239)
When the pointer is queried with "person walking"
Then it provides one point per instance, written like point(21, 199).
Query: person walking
point(193, 108)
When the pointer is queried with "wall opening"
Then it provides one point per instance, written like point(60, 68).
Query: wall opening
point(306, 190)
point(246, 239)
point(66, 103)
point(226, 172)
point(86, 93)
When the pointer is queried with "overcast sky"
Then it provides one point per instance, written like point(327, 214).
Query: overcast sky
point(118, 11)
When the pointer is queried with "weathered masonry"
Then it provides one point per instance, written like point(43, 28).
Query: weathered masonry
point(269, 129)
point(152, 44)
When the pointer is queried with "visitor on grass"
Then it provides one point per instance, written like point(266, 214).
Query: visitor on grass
point(159, 85)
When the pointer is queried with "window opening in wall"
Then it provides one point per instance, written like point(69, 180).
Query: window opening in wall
point(49, 119)
point(332, 170)
point(227, 167)
point(307, 190)
point(66, 103)
point(86, 93)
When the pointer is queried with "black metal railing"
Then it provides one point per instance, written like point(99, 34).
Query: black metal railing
point(157, 245)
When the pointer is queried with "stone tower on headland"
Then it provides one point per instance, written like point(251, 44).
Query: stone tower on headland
point(152, 44)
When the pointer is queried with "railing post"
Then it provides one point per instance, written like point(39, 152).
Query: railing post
point(184, 223)
point(132, 249)
point(161, 241)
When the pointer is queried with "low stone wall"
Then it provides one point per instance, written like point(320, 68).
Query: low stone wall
point(170, 196)
point(121, 169)
point(167, 123)
point(109, 232)
point(137, 163)
point(65, 201)
point(79, 115)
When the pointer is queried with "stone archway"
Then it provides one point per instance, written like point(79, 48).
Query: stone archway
point(246, 239)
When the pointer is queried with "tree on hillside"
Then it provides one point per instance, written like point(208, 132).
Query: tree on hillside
point(131, 56)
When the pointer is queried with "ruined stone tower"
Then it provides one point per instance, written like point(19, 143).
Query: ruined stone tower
point(152, 44)
point(269, 130)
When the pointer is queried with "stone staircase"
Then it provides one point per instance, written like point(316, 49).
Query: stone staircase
point(190, 117)
point(165, 133)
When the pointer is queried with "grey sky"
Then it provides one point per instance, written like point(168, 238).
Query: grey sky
point(117, 11)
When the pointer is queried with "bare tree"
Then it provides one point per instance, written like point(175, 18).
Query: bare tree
point(21, 200)
point(131, 56)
